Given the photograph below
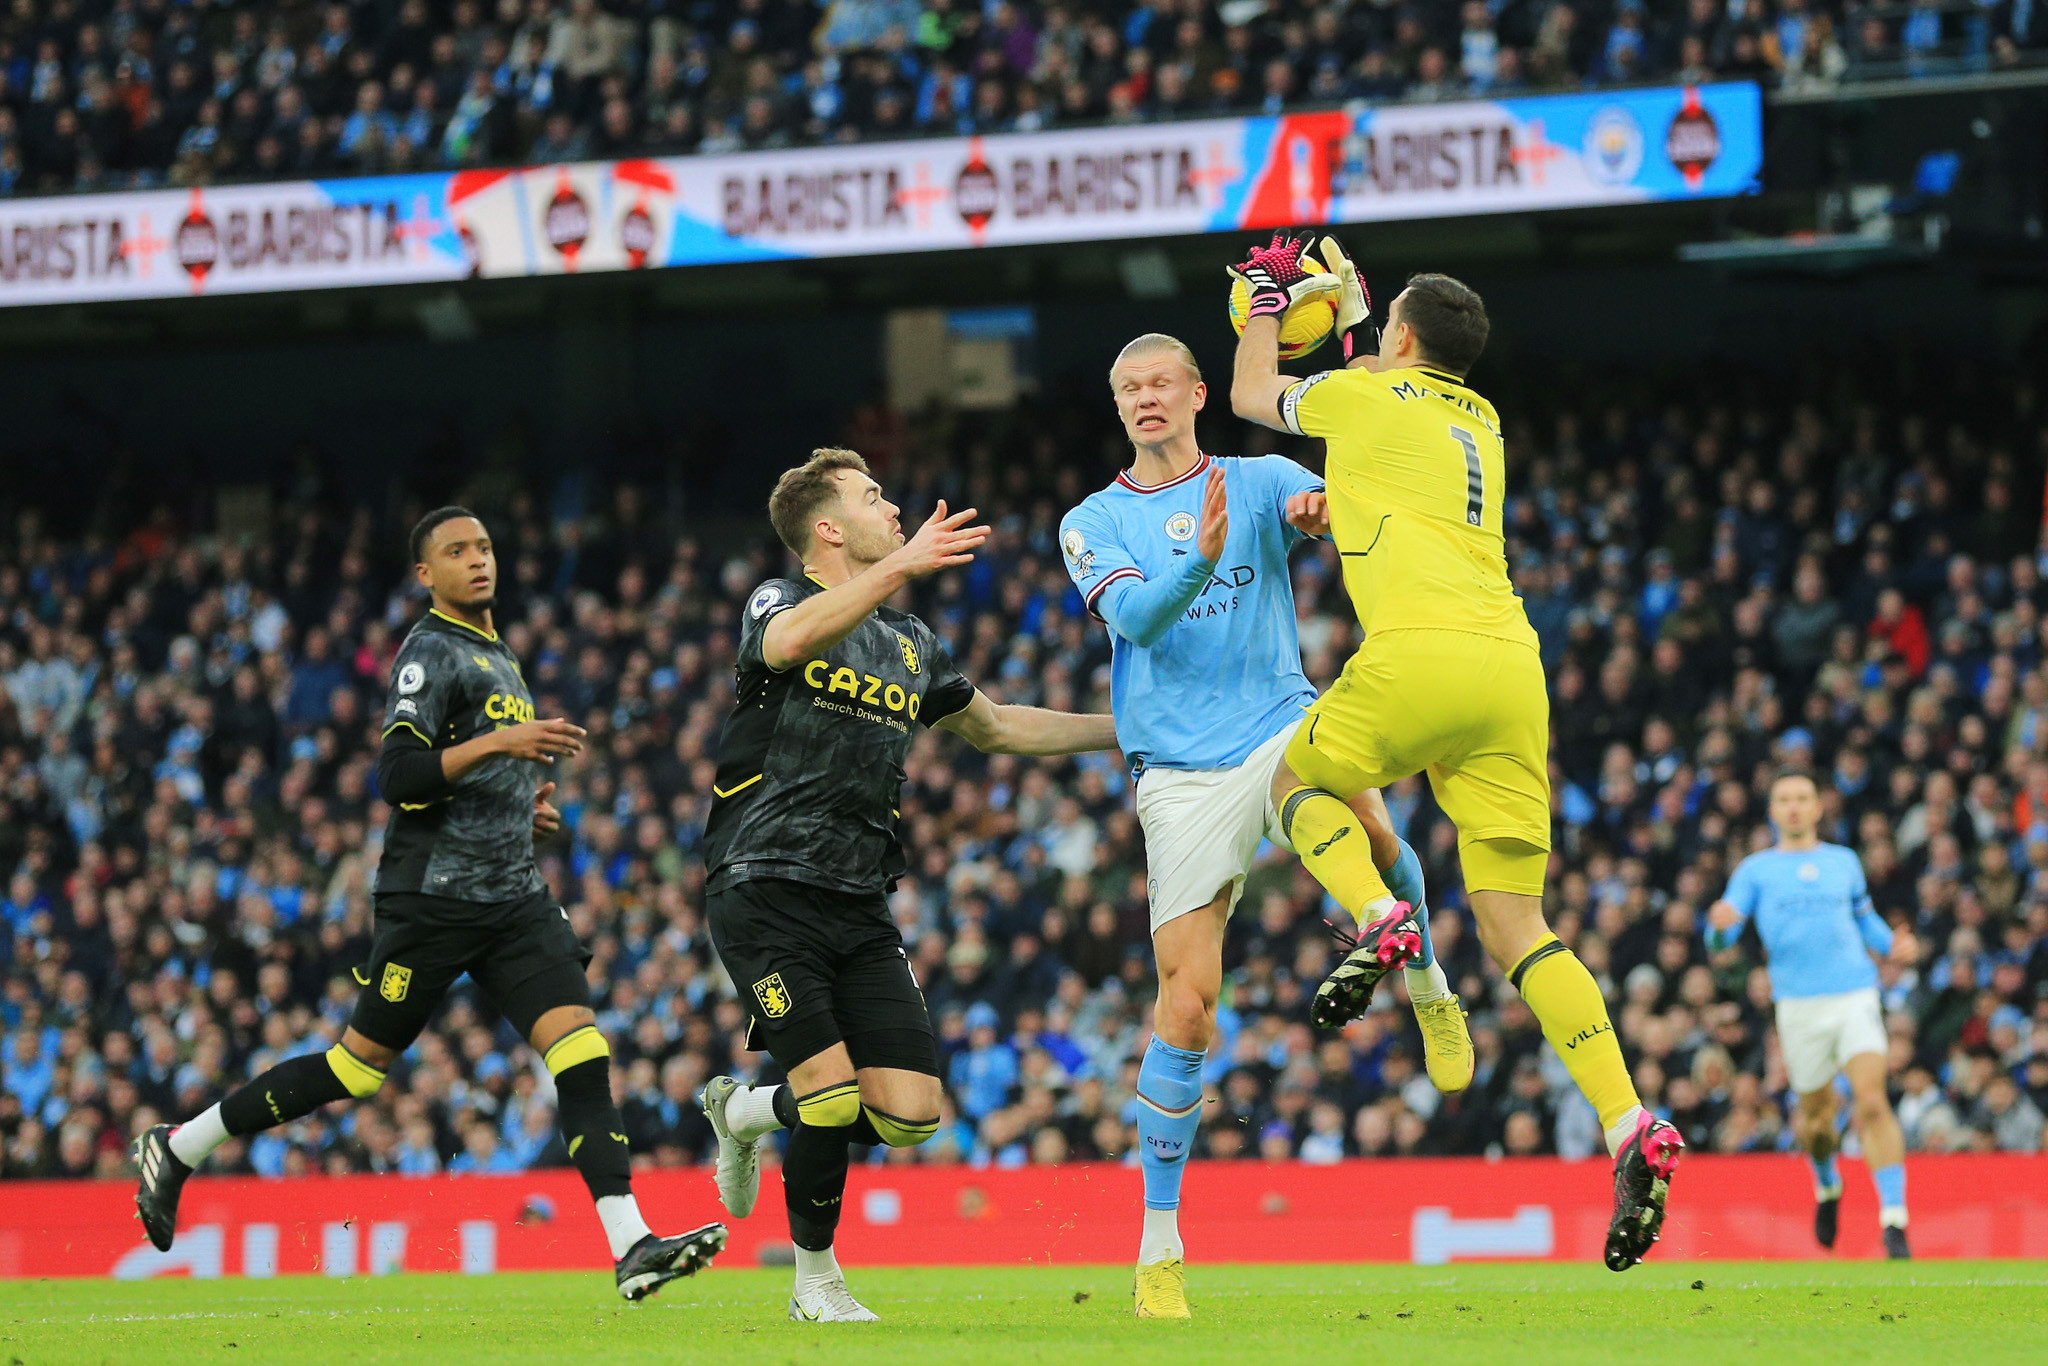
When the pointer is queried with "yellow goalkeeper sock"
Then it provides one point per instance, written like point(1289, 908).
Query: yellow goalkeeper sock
point(1333, 846)
point(1568, 1005)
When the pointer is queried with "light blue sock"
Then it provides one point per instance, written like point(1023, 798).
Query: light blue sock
point(1891, 1186)
point(1825, 1176)
point(1404, 880)
point(1169, 1113)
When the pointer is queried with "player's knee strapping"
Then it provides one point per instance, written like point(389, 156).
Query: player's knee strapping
point(1332, 844)
point(581, 1063)
point(1567, 1003)
point(1169, 1114)
point(898, 1132)
point(361, 1079)
point(297, 1087)
point(830, 1107)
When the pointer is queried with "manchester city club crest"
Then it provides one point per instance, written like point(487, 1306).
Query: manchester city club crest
point(1180, 527)
point(1613, 149)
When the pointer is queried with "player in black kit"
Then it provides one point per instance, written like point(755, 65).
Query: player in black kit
point(457, 891)
point(801, 847)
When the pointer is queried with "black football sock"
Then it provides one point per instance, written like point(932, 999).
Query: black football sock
point(295, 1088)
point(814, 1183)
point(591, 1126)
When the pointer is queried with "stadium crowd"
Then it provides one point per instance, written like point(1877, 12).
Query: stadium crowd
point(109, 94)
point(188, 821)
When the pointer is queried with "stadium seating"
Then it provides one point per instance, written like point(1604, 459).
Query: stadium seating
point(188, 823)
point(111, 94)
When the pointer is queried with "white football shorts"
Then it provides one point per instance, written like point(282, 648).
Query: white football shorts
point(1818, 1034)
point(1203, 827)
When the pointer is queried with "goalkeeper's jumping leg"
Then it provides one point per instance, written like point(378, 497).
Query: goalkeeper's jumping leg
point(1566, 1001)
point(1378, 880)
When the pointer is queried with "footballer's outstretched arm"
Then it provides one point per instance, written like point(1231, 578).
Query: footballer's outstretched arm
point(1256, 384)
point(997, 728)
point(818, 623)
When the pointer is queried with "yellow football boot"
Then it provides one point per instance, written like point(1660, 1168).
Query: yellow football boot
point(1162, 1290)
point(1446, 1047)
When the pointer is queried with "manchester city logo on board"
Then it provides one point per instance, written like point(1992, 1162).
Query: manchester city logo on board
point(1613, 147)
point(1181, 527)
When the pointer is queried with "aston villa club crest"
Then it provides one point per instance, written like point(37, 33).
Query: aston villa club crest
point(773, 996)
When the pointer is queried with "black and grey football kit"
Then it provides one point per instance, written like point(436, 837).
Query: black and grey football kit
point(457, 890)
point(801, 844)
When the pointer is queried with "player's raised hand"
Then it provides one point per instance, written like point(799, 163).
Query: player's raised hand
point(1274, 277)
point(546, 818)
point(544, 741)
point(1215, 525)
point(944, 541)
point(1354, 302)
point(1309, 512)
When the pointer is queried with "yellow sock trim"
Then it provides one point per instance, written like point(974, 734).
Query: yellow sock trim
point(1567, 1003)
point(834, 1107)
point(900, 1133)
point(361, 1079)
point(579, 1045)
point(1331, 843)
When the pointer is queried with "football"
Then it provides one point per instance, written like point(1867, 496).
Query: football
point(1307, 325)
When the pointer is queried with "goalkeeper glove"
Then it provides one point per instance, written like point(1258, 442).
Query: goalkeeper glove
point(1354, 304)
point(1276, 280)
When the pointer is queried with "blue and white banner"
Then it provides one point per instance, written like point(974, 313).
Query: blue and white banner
point(1360, 164)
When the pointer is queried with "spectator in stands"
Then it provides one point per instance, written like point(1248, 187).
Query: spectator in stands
point(127, 105)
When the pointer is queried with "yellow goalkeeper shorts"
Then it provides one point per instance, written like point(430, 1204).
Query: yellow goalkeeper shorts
point(1473, 712)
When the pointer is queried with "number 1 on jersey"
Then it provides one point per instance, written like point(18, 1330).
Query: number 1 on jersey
point(1475, 477)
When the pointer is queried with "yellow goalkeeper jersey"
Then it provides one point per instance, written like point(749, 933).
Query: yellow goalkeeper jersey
point(1415, 477)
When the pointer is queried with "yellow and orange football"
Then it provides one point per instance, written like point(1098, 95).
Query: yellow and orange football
point(1307, 325)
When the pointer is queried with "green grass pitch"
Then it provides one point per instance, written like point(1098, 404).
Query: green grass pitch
point(1953, 1313)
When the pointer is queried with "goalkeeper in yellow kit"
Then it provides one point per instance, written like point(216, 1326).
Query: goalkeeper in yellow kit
point(1448, 681)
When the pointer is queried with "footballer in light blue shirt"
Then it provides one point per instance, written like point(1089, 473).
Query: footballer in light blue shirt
point(1812, 910)
point(1184, 559)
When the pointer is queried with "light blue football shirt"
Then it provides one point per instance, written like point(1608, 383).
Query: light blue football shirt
point(1812, 910)
point(1226, 675)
